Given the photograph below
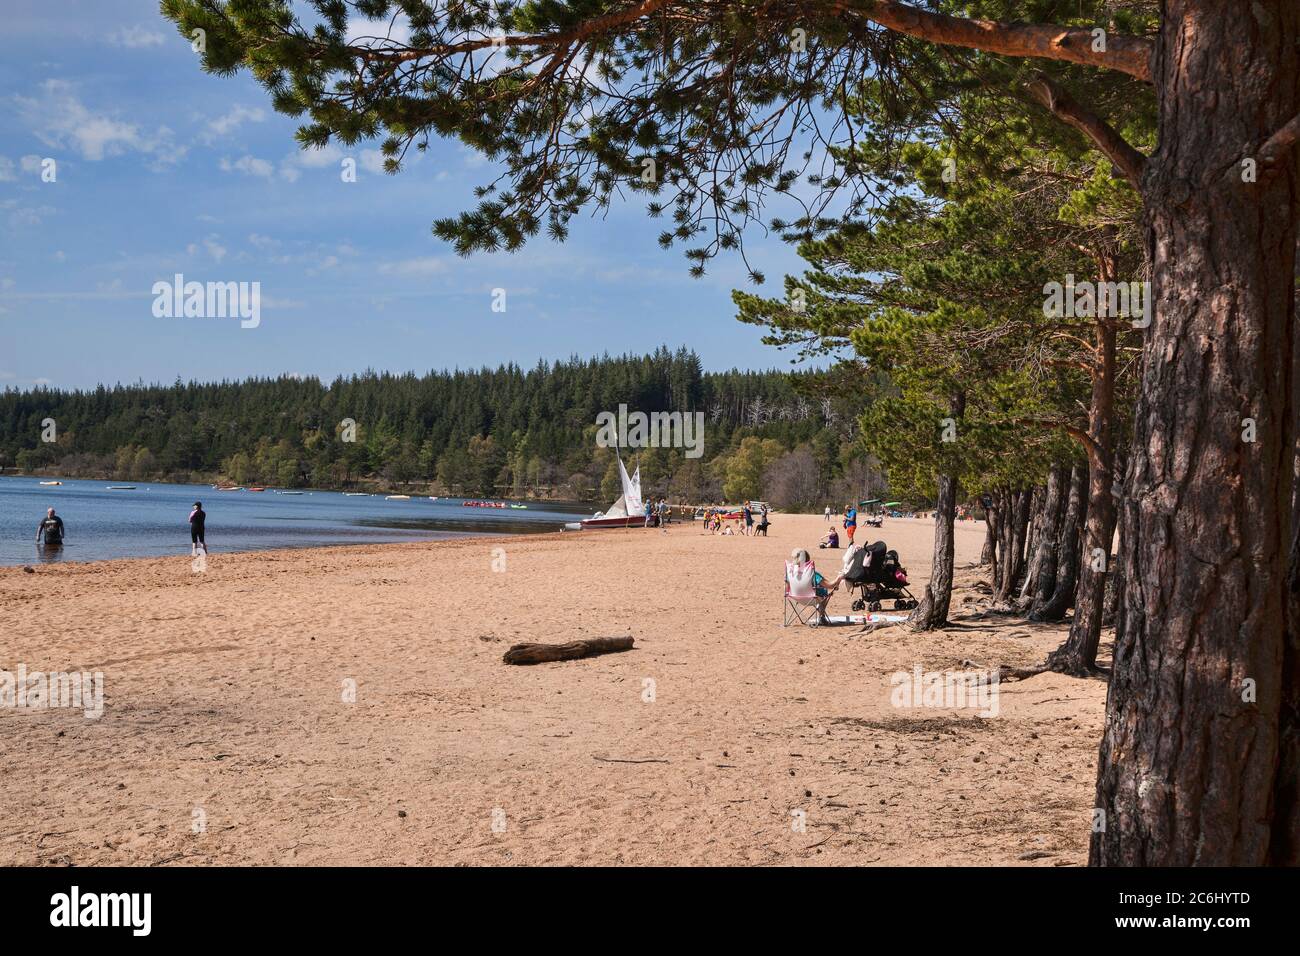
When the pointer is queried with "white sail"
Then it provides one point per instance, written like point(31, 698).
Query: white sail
point(631, 490)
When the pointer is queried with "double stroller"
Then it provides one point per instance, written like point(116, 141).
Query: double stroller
point(876, 572)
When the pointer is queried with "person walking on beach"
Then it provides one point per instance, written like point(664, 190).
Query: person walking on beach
point(650, 513)
point(749, 518)
point(197, 518)
point(52, 527)
point(828, 514)
point(850, 522)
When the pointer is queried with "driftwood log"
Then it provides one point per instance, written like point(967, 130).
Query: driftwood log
point(544, 653)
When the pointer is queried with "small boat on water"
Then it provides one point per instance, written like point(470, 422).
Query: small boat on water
point(255, 489)
point(121, 487)
point(229, 488)
point(397, 498)
point(483, 504)
point(291, 492)
point(520, 507)
point(356, 494)
point(51, 482)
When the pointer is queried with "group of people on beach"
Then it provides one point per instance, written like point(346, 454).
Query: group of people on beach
point(53, 531)
point(657, 513)
point(716, 520)
point(832, 538)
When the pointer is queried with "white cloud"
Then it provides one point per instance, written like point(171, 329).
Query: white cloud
point(136, 37)
point(31, 163)
point(372, 161)
point(227, 124)
point(215, 249)
point(292, 165)
point(263, 242)
point(7, 170)
point(59, 118)
point(249, 166)
point(427, 265)
point(395, 29)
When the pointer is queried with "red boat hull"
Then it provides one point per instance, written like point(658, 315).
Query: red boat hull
point(633, 521)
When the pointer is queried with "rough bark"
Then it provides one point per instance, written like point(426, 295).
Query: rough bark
point(1051, 604)
point(989, 552)
point(932, 611)
point(1041, 577)
point(1038, 513)
point(1192, 765)
point(1015, 531)
point(1078, 655)
point(1131, 55)
point(546, 653)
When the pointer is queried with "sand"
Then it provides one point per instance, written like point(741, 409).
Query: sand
point(226, 737)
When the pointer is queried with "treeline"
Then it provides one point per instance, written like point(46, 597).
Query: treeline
point(508, 430)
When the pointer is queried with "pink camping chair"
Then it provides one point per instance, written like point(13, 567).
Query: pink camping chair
point(802, 602)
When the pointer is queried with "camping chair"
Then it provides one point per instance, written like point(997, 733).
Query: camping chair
point(802, 603)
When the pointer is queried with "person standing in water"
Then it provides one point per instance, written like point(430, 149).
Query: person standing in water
point(197, 517)
point(52, 528)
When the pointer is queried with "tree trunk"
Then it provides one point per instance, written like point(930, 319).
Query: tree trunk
point(1049, 541)
point(1013, 564)
point(1033, 553)
point(1198, 742)
point(1051, 604)
point(932, 612)
point(1020, 537)
point(989, 554)
point(1001, 517)
point(546, 653)
point(1078, 655)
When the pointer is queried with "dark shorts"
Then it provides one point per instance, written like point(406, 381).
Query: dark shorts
point(196, 534)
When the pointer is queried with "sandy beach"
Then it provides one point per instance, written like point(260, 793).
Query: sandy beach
point(228, 737)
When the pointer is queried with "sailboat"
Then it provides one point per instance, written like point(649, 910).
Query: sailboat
point(627, 511)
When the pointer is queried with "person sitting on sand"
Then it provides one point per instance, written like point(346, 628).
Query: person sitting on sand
point(832, 539)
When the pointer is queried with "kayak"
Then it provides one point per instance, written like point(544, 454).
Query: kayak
point(121, 487)
point(51, 482)
point(398, 498)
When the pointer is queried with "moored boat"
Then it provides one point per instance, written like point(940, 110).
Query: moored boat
point(628, 511)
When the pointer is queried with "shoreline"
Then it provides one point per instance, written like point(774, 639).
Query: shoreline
point(349, 705)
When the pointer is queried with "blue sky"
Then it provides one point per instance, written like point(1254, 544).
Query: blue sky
point(162, 168)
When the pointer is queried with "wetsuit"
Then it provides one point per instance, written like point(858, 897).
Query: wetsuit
point(197, 517)
point(52, 529)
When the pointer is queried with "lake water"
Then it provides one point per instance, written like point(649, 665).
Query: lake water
point(152, 520)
